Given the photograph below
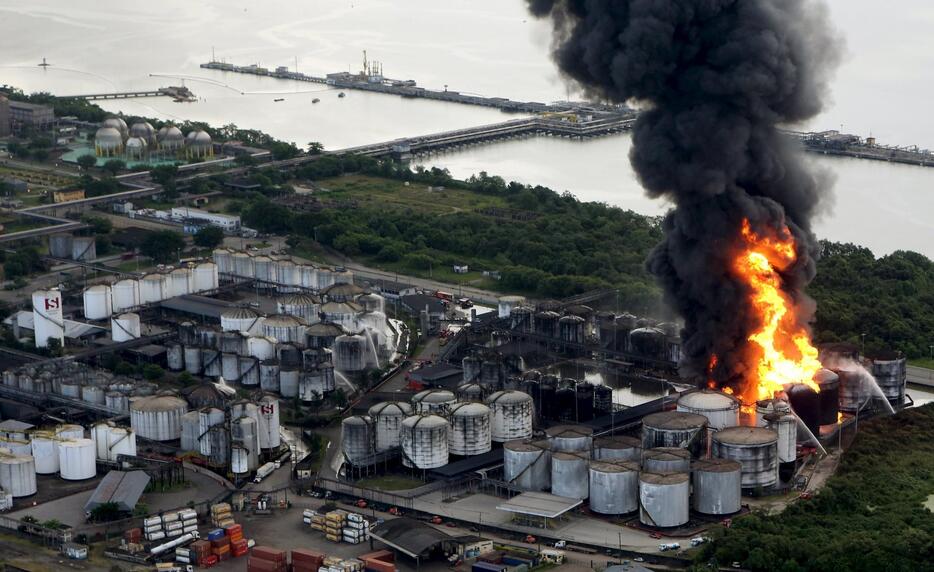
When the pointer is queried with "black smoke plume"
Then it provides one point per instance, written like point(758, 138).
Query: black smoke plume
point(716, 79)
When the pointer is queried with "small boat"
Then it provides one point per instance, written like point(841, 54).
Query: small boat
point(279, 99)
point(315, 100)
point(341, 94)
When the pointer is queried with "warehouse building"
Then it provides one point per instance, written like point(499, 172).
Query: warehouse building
point(229, 223)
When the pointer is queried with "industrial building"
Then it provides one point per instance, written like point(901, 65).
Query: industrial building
point(29, 116)
point(230, 223)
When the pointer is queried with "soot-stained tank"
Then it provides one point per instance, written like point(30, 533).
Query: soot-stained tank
point(829, 396)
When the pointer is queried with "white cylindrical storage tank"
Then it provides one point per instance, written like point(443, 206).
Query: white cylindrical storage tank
point(125, 327)
point(249, 371)
point(720, 409)
point(48, 322)
point(507, 303)
point(125, 295)
point(265, 270)
point(239, 460)
point(17, 446)
point(309, 276)
point(193, 360)
point(570, 438)
point(98, 302)
point(121, 441)
point(664, 499)
point(717, 486)
point(350, 353)
point(243, 437)
point(614, 487)
point(152, 288)
point(617, 448)
point(268, 432)
point(179, 282)
point(512, 415)
point(223, 261)
point(175, 356)
point(261, 347)
point(666, 460)
point(288, 275)
point(117, 401)
point(70, 388)
point(285, 329)
point(437, 401)
point(527, 464)
point(786, 425)
point(230, 366)
point(242, 264)
point(358, 440)
point(241, 320)
point(388, 416)
point(158, 417)
point(288, 381)
point(675, 429)
point(211, 360)
point(425, 441)
point(756, 448)
point(204, 277)
point(69, 432)
point(569, 475)
point(100, 434)
point(18, 474)
point(191, 431)
point(304, 306)
point(76, 459)
point(470, 431)
point(769, 406)
point(269, 375)
point(45, 452)
point(93, 394)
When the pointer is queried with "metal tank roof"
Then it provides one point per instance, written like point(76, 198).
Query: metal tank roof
point(108, 135)
point(390, 408)
point(433, 396)
point(239, 314)
point(716, 466)
point(708, 400)
point(569, 456)
point(357, 420)
point(666, 453)
point(136, 143)
point(617, 442)
point(674, 420)
point(343, 289)
point(614, 466)
point(508, 396)
point(300, 299)
point(525, 446)
point(751, 436)
point(116, 123)
point(199, 137)
point(324, 329)
point(282, 320)
point(424, 421)
point(171, 133)
point(469, 409)
point(569, 431)
point(663, 478)
point(341, 308)
point(159, 403)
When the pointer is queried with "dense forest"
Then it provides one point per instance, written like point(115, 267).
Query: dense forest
point(869, 516)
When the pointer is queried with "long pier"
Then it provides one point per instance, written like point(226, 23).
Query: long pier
point(178, 93)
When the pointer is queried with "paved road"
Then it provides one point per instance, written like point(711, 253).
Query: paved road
point(921, 376)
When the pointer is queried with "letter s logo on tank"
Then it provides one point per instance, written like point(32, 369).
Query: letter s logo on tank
point(52, 304)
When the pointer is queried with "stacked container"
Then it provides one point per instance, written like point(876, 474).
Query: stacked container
point(334, 525)
point(220, 544)
point(304, 560)
point(221, 515)
point(200, 553)
point(238, 544)
point(356, 529)
point(266, 559)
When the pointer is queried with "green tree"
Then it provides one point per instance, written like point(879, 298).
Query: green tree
point(186, 378)
point(87, 161)
point(153, 372)
point(98, 224)
point(114, 166)
point(164, 175)
point(209, 237)
point(105, 512)
point(281, 150)
point(315, 148)
point(124, 368)
point(163, 246)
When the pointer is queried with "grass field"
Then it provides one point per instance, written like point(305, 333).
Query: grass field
point(370, 191)
point(922, 362)
point(390, 483)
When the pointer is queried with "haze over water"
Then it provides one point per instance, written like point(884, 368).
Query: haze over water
point(490, 47)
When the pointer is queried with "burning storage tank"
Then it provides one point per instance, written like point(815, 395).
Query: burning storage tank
point(437, 401)
point(569, 476)
point(806, 405)
point(98, 302)
point(570, 438)
point(125, 327)
point(717, 486)
point(76, 459)
point(17, 474)
point(158, 417)
point(350, 353)
point(675, 429)
point(664, 499)
point(855, 389)
point(756, 448)
point(425, 441)
point(614, 487)
point(470, 432)
point(617, 448)
point(304, 306)
point(358, 439)
point(666, 460)
point(45, 452)
point(285, 329)
point(527, 464)
point(512, 415)
point(388, 416)
point(829, 396)
point(891, 373)
point(720, 409)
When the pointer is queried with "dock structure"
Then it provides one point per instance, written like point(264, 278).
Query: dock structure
point(178, 93)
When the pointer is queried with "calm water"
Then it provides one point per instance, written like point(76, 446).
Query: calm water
point(489, 47)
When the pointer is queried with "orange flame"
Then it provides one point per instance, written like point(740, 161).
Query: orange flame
point(782, 346)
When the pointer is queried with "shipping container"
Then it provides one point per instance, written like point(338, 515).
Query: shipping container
point(481, 566)
point(374, 565)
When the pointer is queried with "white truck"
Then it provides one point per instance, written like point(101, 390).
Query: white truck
point(698, 540)
point(666, 546)
point(263, 472)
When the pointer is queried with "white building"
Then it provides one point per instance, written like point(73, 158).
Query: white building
point(229, 223)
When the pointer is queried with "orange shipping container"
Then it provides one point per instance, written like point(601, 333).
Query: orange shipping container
point(378, 565)
point(384, 555)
